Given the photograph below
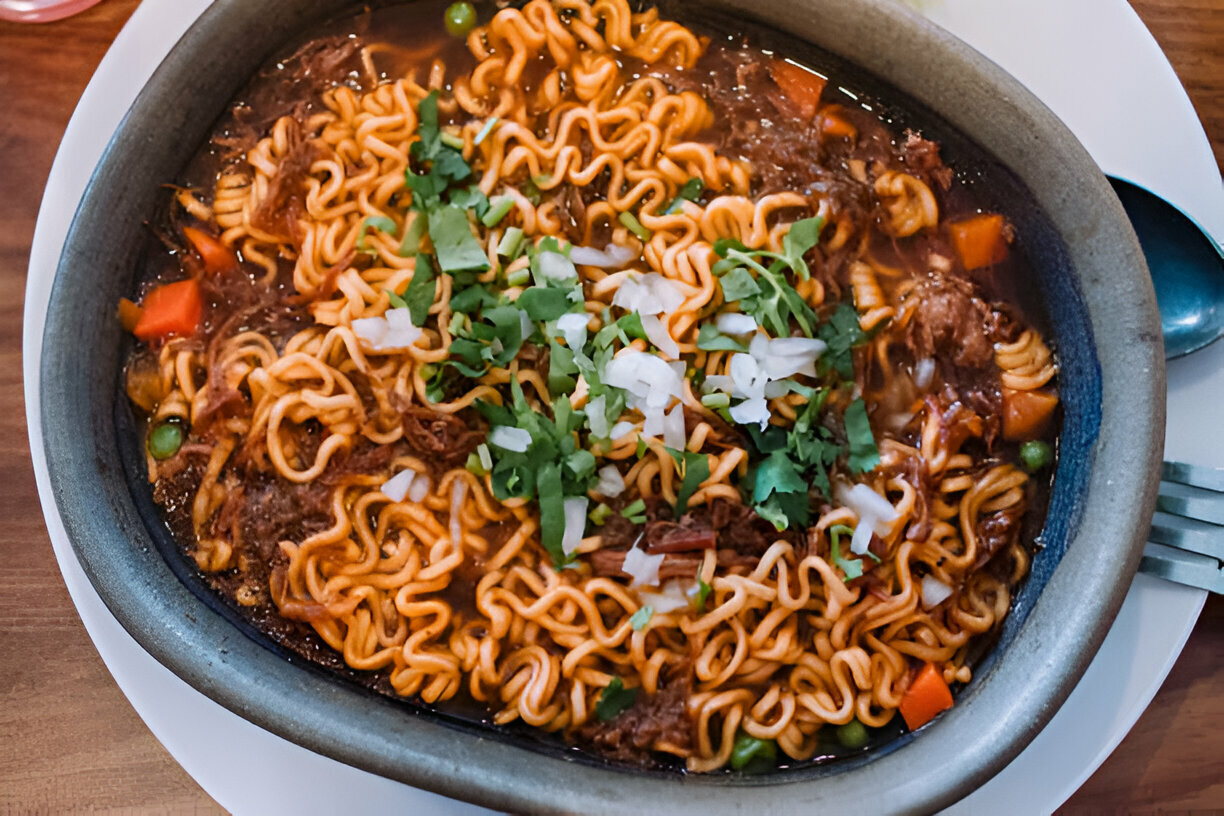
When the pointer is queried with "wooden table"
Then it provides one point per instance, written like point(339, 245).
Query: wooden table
point(70, 741)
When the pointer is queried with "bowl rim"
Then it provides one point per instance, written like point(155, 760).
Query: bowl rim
point(445, 773)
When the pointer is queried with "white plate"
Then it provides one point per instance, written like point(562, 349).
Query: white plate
point(1093, 63)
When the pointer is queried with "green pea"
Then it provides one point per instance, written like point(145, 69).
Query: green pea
point(853, 734)
point(165, 440)
point(460, 19)
point(747, 749)
point(1035, 455)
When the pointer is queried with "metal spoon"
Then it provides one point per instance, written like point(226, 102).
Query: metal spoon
point(1187, 269)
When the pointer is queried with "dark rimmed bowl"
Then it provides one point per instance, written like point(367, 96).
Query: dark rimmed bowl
point(1103, 322)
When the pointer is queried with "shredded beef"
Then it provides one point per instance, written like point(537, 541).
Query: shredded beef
point(949, 324)
point(921, 156)
point(442, 437)
point(997, 532)
point(653, 720)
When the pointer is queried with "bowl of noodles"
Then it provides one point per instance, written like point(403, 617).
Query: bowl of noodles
point(574, 406)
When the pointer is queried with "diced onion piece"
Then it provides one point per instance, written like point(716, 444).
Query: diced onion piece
point(574, 328)
point(647, 379)
point(621, 429)
point(755, 410)
point(735, 323)
point(515, 440)
point(397, 486)
point(642, 568)
point(860, 542)
point(718, 382)
point(458, 492)
point(748, 377)
point(788, 356)
point(672, 597)
point(648, 294)
point(874, 512)
point(934, 591)
point(575, 523)
point(613, 256)
point(658, 335)
point(398, 319)
point(652, 424)
point(924, 372)
point(758, 347)
point(419, 489)
point(390, 332)
point(611, 484)
point(673, 428)
point(555, 266)
point(371, 330)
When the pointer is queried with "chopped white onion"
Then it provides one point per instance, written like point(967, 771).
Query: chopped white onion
point(647, 379)
point(874, 512)
point(458, 492)
point(419, 489)
point(924, 372)
point(555, 266)
point(397, 486)
point(718, 382)
point(648, 294)
point(642, 568)
point(674, 436)
point(390, 332)
point(758, 347)
point(735, 323)
point(860, 542)
point(613, 256)
point(525, 325)
point(574, 328)
point(672, 596)
point(796, 346)
point(611, 484)
point(652, 422)
point(620, 429)
point(749, 378)
point(658, 335)
point(934, 591)
point(515, 440)
point(575, 523)
point(777, 388)
point(755, 410)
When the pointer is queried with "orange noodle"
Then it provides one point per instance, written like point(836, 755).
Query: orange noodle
point(534, 393)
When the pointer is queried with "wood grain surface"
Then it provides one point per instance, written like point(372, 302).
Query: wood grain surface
point(69, 740)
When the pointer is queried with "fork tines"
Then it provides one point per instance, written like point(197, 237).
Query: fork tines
point(1188, 527)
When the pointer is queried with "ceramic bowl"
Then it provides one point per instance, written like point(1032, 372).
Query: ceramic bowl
point(1102, 321)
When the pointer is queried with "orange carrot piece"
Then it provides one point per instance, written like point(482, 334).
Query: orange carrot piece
point(979, 240)
point(801, 87)
point(217, 256)
point(927, 696)
point(835, 126)
point(1027, 414)
point(129, 314)
point(173, 308)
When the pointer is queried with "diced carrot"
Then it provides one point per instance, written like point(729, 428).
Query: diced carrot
point(835, 126)
point(801, 87)
point(1027, 414)
point(129, 314)
point(927, 696)
point(172, 308)
point(217, 256)
point(979, 240)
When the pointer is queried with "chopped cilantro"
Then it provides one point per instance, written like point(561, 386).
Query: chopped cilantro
point(695, 468)
point(614, 699)
point(419, 296)
point(864, 455)
point(454, 244)
point(397, 302)
point(379, 222)
point(544, 302)
point(840, 333)
point(709, 338)
point(690, 191)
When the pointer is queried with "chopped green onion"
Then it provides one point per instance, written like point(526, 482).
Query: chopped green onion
point(716, 400)
point(165, 440)
point(397, 302)
point(519, 277)
point(692, 188)
point(457, 323)
point(428, 371)
point(1035, 455)
point(451, 140)
point(640, 618)
point(853, 734)
point(635, 512)
point(747, 748)
point(460, 19)
point(600, 514)
point(499, 208)
point(635, 226)
point(473, 465)
point(485, 456)
point(698, 599)
point(486, 130)
point(510, 243)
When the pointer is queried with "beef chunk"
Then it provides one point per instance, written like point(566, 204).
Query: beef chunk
point(652, 719)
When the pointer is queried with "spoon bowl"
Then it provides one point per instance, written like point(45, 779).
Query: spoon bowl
point(1187, 269)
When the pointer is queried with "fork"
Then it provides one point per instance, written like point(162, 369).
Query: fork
point(1186, 543)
